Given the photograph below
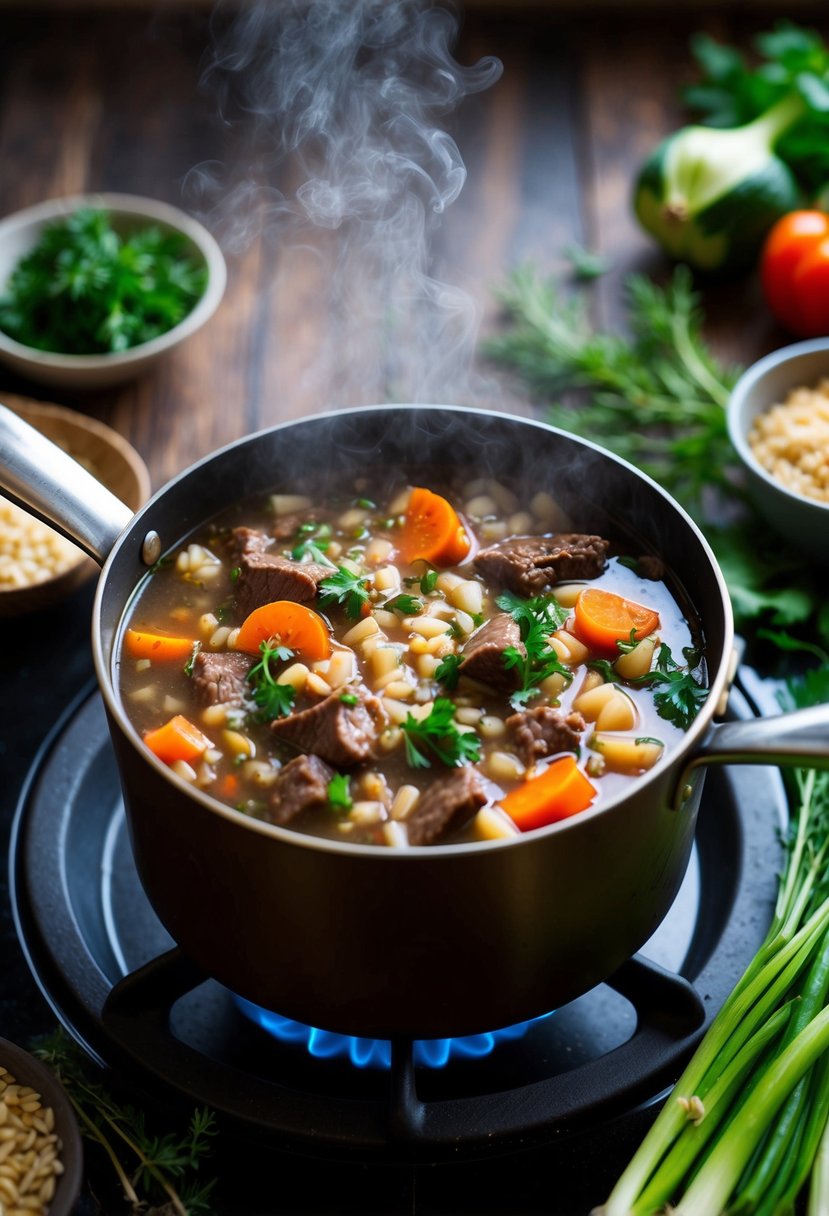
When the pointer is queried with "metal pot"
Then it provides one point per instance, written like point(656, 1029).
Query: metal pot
point(452, 939)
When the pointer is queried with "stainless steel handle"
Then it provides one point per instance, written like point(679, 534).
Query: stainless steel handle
point(41, 477)
point(798, 738)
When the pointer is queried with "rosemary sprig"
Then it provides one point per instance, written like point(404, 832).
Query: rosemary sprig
point(656, 398)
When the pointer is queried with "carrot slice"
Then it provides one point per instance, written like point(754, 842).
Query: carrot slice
point(142, 645)
point(560, 791)
point(603, 619)
point(294, 625)
point(177, 739)
point(432, 531)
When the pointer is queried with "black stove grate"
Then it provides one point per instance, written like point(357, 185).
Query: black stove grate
point(110, 972)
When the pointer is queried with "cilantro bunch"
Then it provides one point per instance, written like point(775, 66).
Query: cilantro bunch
point(86, 289)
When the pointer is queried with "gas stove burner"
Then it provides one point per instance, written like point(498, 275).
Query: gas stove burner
point(118, 984)
point(376, 1053)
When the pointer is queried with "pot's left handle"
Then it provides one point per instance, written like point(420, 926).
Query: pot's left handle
point(38, 475)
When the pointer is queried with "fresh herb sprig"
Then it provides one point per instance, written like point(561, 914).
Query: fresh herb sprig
point(537, 618)
point(151, 1168)
point(438, 737)
point(84, 289)
point(312, 542)
point(406, 605)
point(656, 398)
point(679, 695)
point(448, 672)
point(274, 700)
point(345, 588)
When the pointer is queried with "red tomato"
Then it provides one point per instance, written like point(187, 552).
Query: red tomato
point(794, 267)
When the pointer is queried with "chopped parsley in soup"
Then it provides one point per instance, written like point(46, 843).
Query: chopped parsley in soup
point(411, 670)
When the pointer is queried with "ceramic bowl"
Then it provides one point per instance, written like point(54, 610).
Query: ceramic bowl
point(105, 453)
point(28, 1071)
point(20, 232)
point(804, 521)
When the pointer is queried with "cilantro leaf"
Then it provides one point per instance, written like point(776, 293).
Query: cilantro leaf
point(407, 605)
point(350, 590)
point(447, 671)
point(339, 795)
point(274, 700)
point(437, 736)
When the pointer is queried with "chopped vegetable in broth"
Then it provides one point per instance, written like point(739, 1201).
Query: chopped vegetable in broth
point(409, 669)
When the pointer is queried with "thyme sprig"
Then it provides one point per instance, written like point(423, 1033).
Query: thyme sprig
point(151, 1168)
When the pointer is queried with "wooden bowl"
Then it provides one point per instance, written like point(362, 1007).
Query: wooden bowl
point(109, 457)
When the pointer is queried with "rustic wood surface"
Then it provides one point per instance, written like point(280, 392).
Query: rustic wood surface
point(112, 100)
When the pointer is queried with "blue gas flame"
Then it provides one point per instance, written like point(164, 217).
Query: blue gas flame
point(376, 1053)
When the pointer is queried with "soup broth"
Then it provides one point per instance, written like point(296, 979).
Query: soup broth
point(411, 668)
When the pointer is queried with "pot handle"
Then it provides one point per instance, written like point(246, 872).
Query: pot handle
point(799, 738)
point(39, 476)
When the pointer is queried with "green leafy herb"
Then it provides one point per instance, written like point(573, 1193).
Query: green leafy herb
point(151, 1168)
point(350, 590)
point(84, 289)
point(437, 736)
point(657, 398)
point(274, 700)
point(366, 504)
point(234, 574)
point(678, 697)
point(629, 645)
point(536, 618)
point(339, 795)
point(584, 263)
point(313, 542)
point(188, 666)
point(349, 698)
point(407, 605)
point(649, 739)
point(447, 671)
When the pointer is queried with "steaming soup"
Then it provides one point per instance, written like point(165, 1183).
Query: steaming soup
point(408, 669)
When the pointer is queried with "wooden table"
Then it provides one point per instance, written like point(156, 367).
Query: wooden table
point(112, 100)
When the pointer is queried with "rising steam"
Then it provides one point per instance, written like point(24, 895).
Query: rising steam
point(345, 163)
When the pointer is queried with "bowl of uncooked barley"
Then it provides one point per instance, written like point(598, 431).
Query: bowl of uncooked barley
point(40, 1142)
point(778, 421)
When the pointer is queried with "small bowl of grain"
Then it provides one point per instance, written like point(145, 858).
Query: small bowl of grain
point(778, 421)
point(40, 1142)
point(38, 567)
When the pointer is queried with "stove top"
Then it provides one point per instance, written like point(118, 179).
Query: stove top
point(560, 1108)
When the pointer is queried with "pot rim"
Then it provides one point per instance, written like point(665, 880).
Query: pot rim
point(674, 757)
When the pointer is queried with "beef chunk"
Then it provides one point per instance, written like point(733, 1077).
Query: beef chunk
point(483, 653)
point(245, 541)
point(544, 731)
point(529, 565)
point(338, 732)
point(301, 785)
point(448, 803)
point(264, 577)
point(220, 679)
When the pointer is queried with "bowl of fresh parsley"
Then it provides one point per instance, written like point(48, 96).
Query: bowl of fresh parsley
point(95, 288)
